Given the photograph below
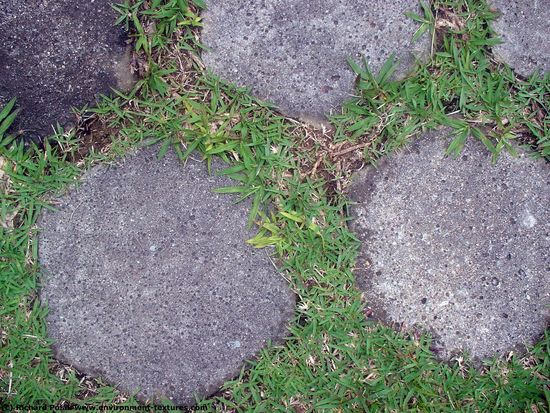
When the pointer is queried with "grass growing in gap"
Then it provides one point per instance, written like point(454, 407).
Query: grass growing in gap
point(333, 360)
point(462, 87)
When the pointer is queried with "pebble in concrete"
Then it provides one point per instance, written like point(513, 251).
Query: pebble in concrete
point(150, 284)
point(55, 55)
point(294, 53)
point(456, 247)
point(524, 26)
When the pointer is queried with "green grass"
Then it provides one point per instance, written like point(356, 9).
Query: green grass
point(461, 87)
point(333, 359)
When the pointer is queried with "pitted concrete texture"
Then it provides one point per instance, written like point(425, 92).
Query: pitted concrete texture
point(55, 55)
point(294, 53)
point(456, 247)
point(524, 26)
point(150, 284)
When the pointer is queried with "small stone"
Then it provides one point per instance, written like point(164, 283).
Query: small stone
point(524, 26)
point(168, 324)
point(489, 265)
point(294, 53)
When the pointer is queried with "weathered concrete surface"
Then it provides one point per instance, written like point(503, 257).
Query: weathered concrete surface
point(457, 247)
point(150, 283)
point(294, 53)
point(55, 55)
point(524, 26)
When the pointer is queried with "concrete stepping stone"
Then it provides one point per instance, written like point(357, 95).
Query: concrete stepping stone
point(456, 247)
point(58, 55)
point(524, 26)
point(150, 284)
point(294, 53)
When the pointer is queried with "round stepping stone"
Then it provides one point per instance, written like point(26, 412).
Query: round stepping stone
point(294, 53)
point(150, 284)
point(456, 247)
point(55, 55)
point(524, 26)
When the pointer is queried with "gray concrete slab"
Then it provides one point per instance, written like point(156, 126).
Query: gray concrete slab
point(524, 26)
point(150, 284)
point(456, 247)
point(294, 53)
point(55, 55)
